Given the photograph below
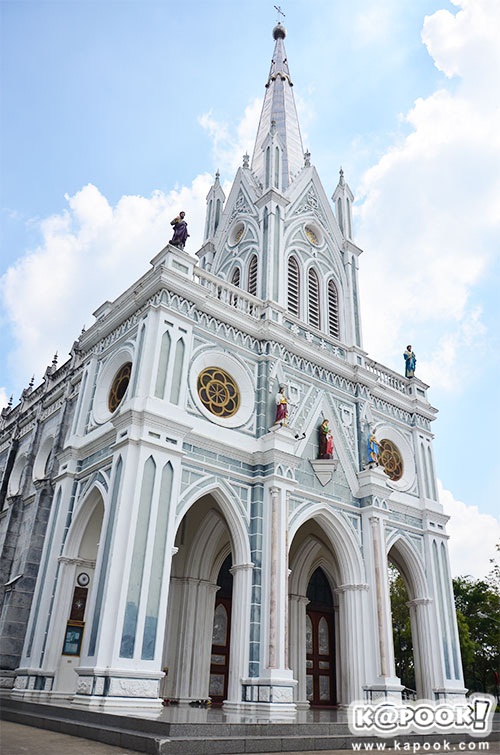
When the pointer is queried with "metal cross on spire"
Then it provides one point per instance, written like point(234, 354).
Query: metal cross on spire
point(280, 12)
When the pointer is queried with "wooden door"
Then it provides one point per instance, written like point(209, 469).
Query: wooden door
point(320, 642)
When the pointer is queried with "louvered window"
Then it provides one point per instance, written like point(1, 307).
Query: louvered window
point(293, 286)
point(313, 303)
point(333, 310)
point(252, 276)
point(235, 280)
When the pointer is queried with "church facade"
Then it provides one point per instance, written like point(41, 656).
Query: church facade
point(202, 503)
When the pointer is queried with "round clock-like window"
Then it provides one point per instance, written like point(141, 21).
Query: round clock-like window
point(390, 459)
point(119, 386)
point(218, 392)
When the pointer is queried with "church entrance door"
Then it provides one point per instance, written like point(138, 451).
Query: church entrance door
point(320, 642)
point(221, 636)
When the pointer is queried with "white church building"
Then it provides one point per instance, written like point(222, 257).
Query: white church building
point(168, 530)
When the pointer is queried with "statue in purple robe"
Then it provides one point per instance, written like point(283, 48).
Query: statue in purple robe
point(180, 231)
point(281, 407)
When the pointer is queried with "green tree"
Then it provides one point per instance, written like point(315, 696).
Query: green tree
point(478, 602)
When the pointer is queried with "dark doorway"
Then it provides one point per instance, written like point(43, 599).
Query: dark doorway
point(221, 635)
point(320, 642)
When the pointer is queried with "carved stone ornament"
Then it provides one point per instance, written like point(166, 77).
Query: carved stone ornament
point(324, 469)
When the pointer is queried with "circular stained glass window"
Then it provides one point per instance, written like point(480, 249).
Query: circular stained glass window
point(390, 458)
point(218, 392)
point(119, 386)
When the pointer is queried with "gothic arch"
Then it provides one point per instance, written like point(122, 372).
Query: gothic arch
point(409, 563)
point(95, 496)
point(341, 539)
point(231, 509)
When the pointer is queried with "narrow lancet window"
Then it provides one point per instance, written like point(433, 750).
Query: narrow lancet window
point(252, 276)
point(333, 310)
point(293, 286)
point(313, 298)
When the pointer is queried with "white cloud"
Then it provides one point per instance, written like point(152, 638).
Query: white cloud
point(431, 209)
point(473, 537)
point(230, 144)
point(90, 252)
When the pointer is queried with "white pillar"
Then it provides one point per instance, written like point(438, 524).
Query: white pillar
point(351, 642)
point(240, 630)
point(297, 623)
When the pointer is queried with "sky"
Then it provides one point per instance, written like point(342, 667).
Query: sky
point(116, 114)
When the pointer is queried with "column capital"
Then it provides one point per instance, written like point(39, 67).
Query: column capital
point(241, 567)
point(419, 602)
point(352, 587)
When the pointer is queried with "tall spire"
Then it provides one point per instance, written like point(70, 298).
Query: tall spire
point(279, 118)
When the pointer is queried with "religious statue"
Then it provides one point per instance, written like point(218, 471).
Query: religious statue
point(325, 441)
point(180, 231)
point(373, 449)
point(410, 362)
point(281, 407)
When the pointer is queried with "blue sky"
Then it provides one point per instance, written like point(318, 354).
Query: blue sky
point(117, 113)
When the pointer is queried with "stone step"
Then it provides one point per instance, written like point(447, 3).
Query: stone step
point(205, 738)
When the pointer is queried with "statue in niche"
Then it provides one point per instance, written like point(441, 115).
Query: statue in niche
point(180, 231)
point(410, 362)
point(325, 441)
point(281, 407)
point(373, 449)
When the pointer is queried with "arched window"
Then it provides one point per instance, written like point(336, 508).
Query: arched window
point(293, 286)
point(333, 310)
point(268, 167)
point(340, 217)
point(252, 276)
point(277, 168)
point(313, 298)
point(217, 214)
point(235, 278)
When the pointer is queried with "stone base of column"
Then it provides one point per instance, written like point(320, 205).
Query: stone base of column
point(388, 689)
point(116, 688)
point(272, 693)
point(452, 695)
point(7, 679)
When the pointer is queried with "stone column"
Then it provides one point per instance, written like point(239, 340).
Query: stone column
point(422, 647)
point(240, 629)
point(351, 642)
point(297, 645)
point(273, 689)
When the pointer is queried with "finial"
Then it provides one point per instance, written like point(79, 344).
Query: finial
point(217, 175)
point(54, 361)
point(11, 401)
point(32, 382)
point(307, 159)
point(341, 173)
point(246, 160)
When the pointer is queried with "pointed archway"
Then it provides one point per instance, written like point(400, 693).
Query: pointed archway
point(206, 642)
point(320, 539)
point(402, 555)
point(73, 602)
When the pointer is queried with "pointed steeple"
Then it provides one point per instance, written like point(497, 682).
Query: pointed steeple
point(278, 154)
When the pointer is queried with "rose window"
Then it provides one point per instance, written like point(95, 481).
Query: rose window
point(390, 459)
point(119, 386)
point(218, 392)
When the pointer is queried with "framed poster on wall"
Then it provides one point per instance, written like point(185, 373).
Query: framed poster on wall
point(73, 639)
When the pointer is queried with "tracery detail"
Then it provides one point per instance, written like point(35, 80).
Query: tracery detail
point(218, 392)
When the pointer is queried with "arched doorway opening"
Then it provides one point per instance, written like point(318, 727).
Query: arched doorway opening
point(401, 632)
point(75, 590)
point(411, 609)
point(199, 642)
point(221, 635)
point(320, 642)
